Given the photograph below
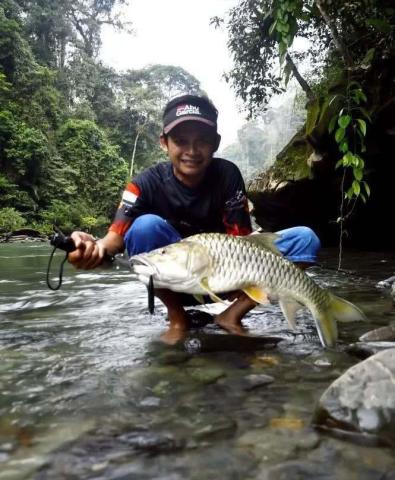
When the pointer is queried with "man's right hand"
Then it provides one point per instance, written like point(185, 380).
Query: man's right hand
point(89, 252)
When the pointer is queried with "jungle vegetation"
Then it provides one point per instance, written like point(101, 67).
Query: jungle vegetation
point(72, 130)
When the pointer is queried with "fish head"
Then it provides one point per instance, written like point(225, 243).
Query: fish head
point(178, 266)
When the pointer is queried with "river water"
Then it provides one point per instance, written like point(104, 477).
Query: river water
point(88, 392)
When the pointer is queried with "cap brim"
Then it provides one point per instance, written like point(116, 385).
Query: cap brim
point(185, 118)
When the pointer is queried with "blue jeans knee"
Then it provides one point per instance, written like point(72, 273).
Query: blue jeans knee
point(298, 244)
point(148, 232)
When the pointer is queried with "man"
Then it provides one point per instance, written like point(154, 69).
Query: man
point(192, 193)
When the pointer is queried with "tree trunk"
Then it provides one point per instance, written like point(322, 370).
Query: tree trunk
point(134, 153)
point(302, 82)
point(341, 47)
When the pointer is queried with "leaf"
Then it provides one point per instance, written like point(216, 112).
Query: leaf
point(367, 188)
point(287, 73)
point(358, 174)
point(367, 60)
point(361, 95)
point(343, 147)
point(350, 193)
point(272, 27)
point(332, 124)
point(362, 126)
point(339, 163)
point(344, 121)
point(282, 48)
point(356, 187)
point(333, 99)
point(339, 135)
point(366, 114)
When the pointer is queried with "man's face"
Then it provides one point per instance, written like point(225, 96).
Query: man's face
point(190, 146)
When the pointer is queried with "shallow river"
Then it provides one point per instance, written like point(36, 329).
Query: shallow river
point(88, 392)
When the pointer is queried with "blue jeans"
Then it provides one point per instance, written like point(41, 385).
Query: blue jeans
point(298, 244)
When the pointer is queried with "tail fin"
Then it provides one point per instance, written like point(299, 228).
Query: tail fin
point(339, 310)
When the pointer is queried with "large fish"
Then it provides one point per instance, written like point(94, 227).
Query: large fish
point(214, 263)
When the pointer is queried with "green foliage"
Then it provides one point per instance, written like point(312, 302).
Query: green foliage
point(95, 171)
point(10, 220)
point(350, 131)
point(70, 126)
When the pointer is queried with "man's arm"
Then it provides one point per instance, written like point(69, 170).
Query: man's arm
point(90, 252)
point(236, 216)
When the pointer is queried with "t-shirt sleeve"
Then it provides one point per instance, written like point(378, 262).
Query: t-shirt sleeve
point(236, 217)
point(130, 207)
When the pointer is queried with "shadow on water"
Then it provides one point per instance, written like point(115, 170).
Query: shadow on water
point(88, 391)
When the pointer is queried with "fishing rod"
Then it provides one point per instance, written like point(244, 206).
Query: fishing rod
point(65, 243)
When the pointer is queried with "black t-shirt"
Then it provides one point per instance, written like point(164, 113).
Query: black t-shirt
point(218, 204)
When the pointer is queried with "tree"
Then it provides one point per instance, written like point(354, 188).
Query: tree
point(262, 32)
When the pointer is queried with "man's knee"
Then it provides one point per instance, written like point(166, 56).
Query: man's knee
point(148, 232)
point(299, 244)
point(145, 223)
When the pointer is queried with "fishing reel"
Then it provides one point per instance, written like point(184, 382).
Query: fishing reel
point(62, 241)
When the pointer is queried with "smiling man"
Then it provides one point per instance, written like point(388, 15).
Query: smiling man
point(193, 192)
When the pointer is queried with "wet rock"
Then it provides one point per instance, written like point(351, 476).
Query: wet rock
point(150, 402)
point(198, 318)
point(388, 283)
point(199, 343)
point(297, 470)
point(302, 470)
point(382, 334)
point(274, 445)
point(206, 375)
point(219, 429)
point(256, 380)
point(173, 357)
point(366, 349)
point(151, 442)
point(363, 398)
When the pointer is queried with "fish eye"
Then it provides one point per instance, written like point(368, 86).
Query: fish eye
point(163, 251)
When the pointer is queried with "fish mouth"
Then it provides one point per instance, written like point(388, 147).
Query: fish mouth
point(141, 266)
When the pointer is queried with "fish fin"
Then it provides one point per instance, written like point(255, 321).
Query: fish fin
point(204, 284)
point(265, 240)
point(199, 298)
point(345, 311)
point(256, 294)
point(289, 309)
point(340, 310)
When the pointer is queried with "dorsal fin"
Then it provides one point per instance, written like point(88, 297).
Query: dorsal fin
point(265, 240)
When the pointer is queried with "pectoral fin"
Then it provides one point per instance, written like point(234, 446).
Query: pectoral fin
point(204, 284)
point(289, 309)
point(199, 298)
point(256, 294)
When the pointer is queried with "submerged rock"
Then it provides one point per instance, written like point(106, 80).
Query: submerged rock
point(362, 399)
point(382, 334)
point(199, 343)
point(366, 349)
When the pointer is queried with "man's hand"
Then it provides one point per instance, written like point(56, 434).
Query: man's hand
point(89, 253)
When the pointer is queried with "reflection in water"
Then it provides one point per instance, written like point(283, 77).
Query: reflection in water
point(88, 391)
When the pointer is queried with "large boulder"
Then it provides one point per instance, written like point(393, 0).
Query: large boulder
point(303, 187)
point(362, 399)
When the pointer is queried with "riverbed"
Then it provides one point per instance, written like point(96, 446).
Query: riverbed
point(88, 391)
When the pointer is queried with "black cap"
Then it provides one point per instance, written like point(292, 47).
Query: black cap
point(187, 108)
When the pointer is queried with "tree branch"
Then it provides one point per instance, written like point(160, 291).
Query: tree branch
point(302, 82)
point(341, 47)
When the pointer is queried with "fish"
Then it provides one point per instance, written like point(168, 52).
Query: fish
point(216, 263)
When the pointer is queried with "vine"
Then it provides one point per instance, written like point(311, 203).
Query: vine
point(349, 127)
